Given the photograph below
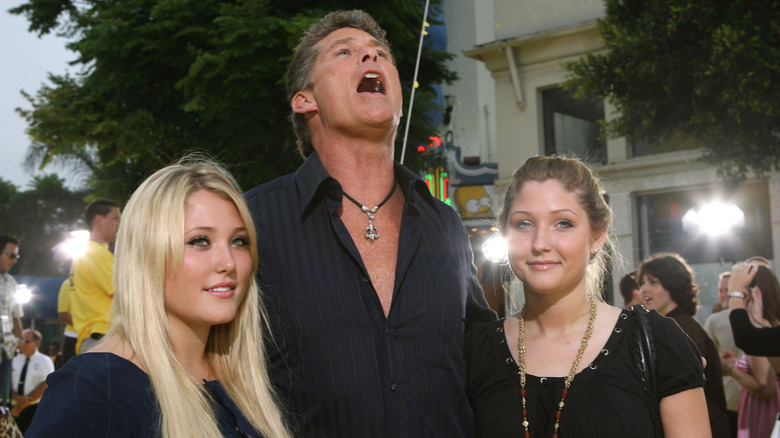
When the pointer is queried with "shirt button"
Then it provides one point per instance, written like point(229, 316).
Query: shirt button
point(392, 386)
point(364, 278)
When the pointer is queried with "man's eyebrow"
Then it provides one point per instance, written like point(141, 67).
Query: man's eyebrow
point(348, 40)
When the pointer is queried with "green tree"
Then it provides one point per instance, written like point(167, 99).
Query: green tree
point(158, 78)
point(703, 70)
point(40, 217)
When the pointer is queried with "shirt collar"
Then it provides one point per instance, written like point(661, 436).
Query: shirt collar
point(314, 183)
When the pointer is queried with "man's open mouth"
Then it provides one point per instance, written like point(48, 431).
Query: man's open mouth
point(371, 83)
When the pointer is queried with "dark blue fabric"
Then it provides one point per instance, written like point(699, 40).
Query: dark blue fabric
point(104, 395)
point(343, 369)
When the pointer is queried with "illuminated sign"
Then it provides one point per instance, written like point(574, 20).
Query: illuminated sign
point(438, 183)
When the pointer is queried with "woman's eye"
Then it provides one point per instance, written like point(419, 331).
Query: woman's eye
point(565, 224)
point(240, 241)
point(199, 241)
point(522, 225)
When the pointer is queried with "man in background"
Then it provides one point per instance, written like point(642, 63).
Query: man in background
point(629, 289)
point(723, 293)
point(28, 379)
point(10, 313)
point(92, 275)
point(63, 310)
point(718, 327)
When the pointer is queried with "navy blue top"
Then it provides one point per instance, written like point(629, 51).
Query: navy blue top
point(104, 395)
point(343, 369)
point(605, 399)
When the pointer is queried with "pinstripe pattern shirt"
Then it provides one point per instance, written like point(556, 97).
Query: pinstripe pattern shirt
point(343, 369)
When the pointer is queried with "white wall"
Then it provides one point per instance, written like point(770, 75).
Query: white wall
point(523, 17)
point(473, 125)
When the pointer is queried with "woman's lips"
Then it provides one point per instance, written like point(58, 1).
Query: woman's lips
point(543, 265)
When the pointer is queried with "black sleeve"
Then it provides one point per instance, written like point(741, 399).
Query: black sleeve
point(678, 363)
point(753, 340)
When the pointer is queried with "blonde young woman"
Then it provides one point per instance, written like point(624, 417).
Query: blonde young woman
point(564, 366)
point(184, 357)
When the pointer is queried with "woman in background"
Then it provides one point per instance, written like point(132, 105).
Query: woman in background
point(759, 398)
point(758, 341)
point(666, 284)
point(564, 366)
point(184, 356)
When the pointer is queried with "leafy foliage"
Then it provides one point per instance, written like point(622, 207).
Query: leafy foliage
point(40, 217)
point(705, 70)
point(158, 78)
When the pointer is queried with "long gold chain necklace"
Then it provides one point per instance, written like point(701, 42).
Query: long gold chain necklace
point(569, 378)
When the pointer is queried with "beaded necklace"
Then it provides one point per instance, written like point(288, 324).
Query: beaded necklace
point(569, 378)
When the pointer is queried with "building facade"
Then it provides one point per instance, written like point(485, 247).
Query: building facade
point(516, 108)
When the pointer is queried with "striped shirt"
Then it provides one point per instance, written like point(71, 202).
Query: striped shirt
point(10, 309)
point(343, 369)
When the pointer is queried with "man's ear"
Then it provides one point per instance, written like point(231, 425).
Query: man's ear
point(303, 102)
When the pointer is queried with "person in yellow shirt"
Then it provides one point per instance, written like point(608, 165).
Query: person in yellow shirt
point(63, 310)
point(93, 275)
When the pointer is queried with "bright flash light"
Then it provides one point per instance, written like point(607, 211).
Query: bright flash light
point(495, 248)
point(23, 294)
point(75, 245)
point(714, 219)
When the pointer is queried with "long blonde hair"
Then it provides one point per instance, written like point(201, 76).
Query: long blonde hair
point(150, 243)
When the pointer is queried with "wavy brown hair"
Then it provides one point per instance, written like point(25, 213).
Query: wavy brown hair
point(675, 276)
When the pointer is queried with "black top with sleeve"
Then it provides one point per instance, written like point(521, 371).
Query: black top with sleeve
point(104, 395)
point(604, 400)
point(713, 388)
point(756, 341)
point(343, 369)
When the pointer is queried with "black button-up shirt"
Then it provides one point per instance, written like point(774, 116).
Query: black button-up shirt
point(341, 368)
